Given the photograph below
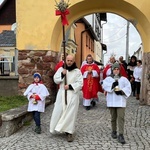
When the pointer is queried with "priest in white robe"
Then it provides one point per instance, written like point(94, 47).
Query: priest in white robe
point(64, 115)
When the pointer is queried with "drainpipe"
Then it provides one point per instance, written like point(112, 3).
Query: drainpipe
point(82, 43)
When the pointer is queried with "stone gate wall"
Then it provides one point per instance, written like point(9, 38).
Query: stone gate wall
point(31, 61)
point(145, 87)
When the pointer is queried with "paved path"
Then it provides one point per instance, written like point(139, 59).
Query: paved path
point(92, 131)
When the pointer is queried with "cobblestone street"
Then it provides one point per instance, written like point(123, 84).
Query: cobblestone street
point(93, 131)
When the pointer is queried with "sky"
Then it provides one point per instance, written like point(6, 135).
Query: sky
point(114, 36)
point(1, 1)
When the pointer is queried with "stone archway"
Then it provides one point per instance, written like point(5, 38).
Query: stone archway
point(123, 9)
point(131, 12)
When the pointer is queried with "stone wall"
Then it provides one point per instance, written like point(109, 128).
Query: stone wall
point(14, 119)
point(8, 85)
point(145, 87)
point(31, 61)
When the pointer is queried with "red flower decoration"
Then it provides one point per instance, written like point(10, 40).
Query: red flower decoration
point(63, 16)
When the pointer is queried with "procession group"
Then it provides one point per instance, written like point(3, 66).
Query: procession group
point(117, 81)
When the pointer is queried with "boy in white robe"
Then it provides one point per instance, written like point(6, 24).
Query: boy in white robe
point(118, 89)
point(36, 94)
point(64, 115)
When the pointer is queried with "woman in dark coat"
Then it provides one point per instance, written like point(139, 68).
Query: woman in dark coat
point(130, 68)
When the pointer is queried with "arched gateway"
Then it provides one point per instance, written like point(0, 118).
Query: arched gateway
point(39, 34)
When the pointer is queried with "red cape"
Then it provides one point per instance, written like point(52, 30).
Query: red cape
point(58, 65)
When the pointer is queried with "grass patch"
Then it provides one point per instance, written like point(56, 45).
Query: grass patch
point(27, 123)
point(9, 102)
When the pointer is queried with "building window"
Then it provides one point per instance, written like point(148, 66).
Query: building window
point(8, 64)
point(72, 51)
point(86, 40)
point(92, 46)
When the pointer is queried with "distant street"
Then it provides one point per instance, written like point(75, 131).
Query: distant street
point(93, 131)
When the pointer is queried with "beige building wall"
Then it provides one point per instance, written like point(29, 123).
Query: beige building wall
point(139, 53)
point(97, 51)
point(71, 43)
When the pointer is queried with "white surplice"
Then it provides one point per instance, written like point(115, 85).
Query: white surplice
point(64, 116)
point(112, 99)
point(41, 91)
